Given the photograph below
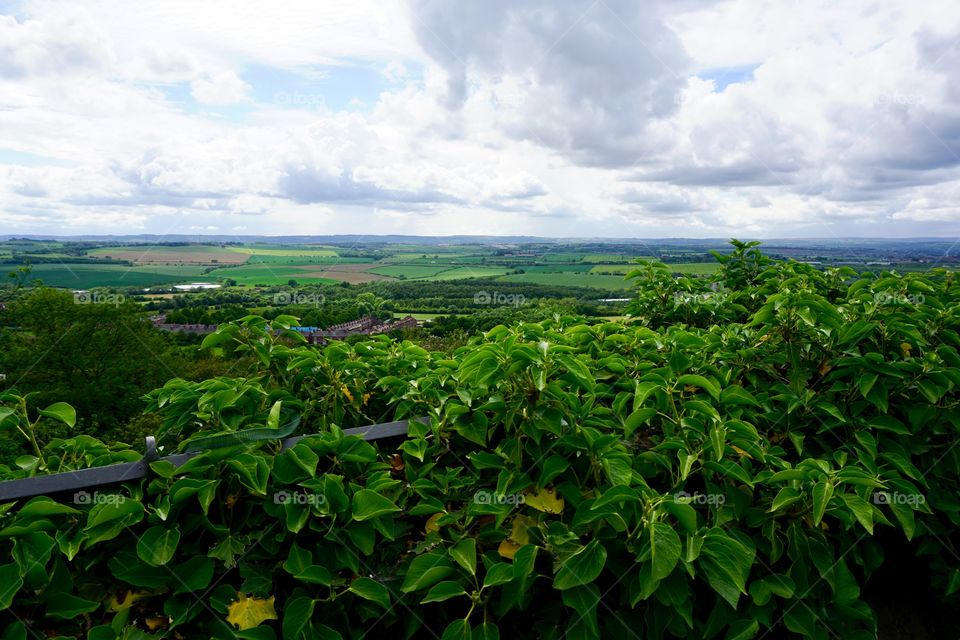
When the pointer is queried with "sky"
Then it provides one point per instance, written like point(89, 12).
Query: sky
point(555, 118)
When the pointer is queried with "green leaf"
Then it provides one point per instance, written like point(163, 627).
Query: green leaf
point(637, 418)
point(615, 495)
point(904, 515)
point(786, 496)
point(425, 571)
point(743, 630)
point(457, 630)
point(822, 492)
point(370, 589)
point(107, 520)
point(43, 506)
point(486, 631)
point(194, 575)
point(61, 411)
point(6, 412)
point(701, 382)
point(10, 583)
point(369, 504)
point(273, 419)
point(465, 553)
point(735, 395)
point(726, 562)
point(443, 591)
point(298, 559)
point(684, 513)
point(296, 618)
point(315, 574)
point(499, 573)
point(665, 549)
point(718, 441)
point(253, 472)
point(581, 568)
point(66, 606)
point(861, 509)
point(158, 545)
point(865, 382)
point(584, 601)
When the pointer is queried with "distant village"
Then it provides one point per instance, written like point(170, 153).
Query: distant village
point(367, 325)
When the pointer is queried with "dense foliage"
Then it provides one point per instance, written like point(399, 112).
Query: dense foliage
point(742, 458)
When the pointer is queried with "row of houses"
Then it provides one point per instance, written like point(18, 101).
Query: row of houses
point(367, 325)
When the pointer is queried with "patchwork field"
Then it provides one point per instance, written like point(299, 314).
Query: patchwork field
point(85, 276)
point(264, 274)
point(166, 254)
point(597, 281)
point(558, 268)
point(412, 272)
point(269, 264)
point(693, 268)
point(460, 273)
point(284, 252)
point(303, 259)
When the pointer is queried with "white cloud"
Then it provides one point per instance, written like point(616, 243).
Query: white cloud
point(550, 117)
point(222, 88)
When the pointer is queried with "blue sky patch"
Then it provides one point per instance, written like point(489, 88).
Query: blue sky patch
point(723, 77)
point(331, 87)
point(26, 159)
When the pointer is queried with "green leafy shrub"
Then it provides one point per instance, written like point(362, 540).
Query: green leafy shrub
point(573, 480)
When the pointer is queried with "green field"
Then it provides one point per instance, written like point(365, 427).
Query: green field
point(143, 254)
point(459, 273)
point(690, 268)
point(284, 252)
point(84, 276)
point(268, 275)
point(611, 257)
point(557, 268)
point(610, 283)
point(411, 272)
point(259, 258)
point(438, 271)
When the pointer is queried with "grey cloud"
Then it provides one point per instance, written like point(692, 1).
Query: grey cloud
point(308, 185)
point(596, 75)
point(33, 47)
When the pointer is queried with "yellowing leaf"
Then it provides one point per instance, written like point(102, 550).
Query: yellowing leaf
point(432, 526)
point(508, 549)
point(346, 392)
point(156, 623)
point(741, 451)
point(519, 533)
point(247, 613)
point(129, 598)
point(518, 537)
point(545, 500)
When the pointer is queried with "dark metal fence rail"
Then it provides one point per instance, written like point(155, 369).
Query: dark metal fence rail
point(116, 473)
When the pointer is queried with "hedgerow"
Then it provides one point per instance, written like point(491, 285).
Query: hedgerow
point(721, 464)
